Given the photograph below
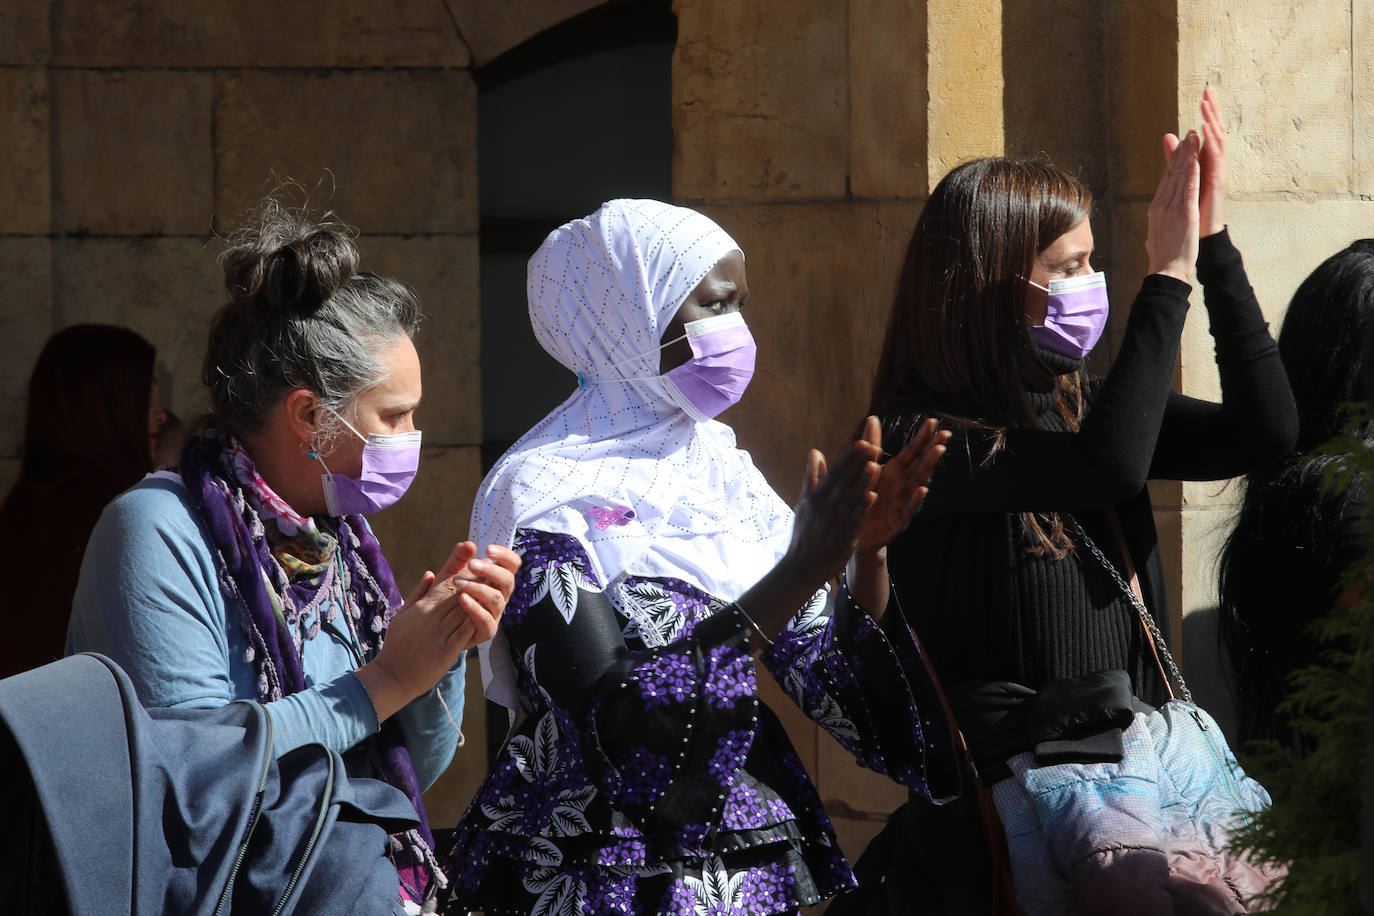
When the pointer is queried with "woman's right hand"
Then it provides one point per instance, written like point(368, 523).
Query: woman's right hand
point(441, 618)
point(1174, 218)
point(832, 509)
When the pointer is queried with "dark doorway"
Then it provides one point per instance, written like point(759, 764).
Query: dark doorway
point(571, 118)
point(575, 116)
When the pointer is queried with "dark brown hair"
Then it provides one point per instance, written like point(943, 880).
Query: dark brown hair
point(957, 344)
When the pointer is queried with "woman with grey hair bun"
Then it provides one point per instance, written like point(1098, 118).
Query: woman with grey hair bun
point(250, 571)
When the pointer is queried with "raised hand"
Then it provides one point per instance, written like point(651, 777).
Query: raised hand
point(901, 483)
point(832, 509)
point(442, 617)
point(1212, 160)
point(1174, 219)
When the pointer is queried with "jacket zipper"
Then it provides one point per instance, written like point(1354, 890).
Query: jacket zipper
point(314, 837)
point(267, 758)
point(1220, 761)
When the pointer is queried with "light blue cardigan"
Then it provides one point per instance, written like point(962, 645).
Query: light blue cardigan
point(149, 598)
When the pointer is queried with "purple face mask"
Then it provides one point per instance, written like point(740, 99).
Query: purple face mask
point(721, 366)
point(390, 463)
point(1077, 315)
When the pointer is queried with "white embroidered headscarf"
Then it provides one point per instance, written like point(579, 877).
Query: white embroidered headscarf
point(619, 465)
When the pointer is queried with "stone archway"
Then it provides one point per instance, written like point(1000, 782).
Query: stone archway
point(490, 28)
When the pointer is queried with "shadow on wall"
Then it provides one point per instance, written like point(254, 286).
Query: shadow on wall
point(1208, 671)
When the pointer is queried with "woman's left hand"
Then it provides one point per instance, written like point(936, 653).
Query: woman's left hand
point(1212, 159)
point(902, 483)
point(497, 572)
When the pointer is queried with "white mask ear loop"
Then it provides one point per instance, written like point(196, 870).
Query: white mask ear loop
point(340, 418)
point(1046, 289)
point(583, 380)
point(314, 452)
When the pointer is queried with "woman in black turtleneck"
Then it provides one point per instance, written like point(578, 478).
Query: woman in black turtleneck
point(992, 571)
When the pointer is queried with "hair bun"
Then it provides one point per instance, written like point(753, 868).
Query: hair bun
point(283, 259)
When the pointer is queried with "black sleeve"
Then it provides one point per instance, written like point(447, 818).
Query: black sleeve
point(1108, 459)
point(1256, 422)
point(662, 731)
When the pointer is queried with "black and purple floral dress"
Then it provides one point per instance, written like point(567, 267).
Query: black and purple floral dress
point(647, 777)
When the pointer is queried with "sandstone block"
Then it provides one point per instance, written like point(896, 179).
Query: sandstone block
point(25, 195)
point(1362, 43)
point(1284, 240)
point(393, 152)
point(448, 798)
point(1204, 531)
point(1055, 73)
point(256, 33)
point(818, 310)
point(119, 171)
point(165, 289)
point(862, 795)
point(493, 27)
point(1283, 71)
point(443, 272)
point(24, 33)
point(1142, 91)
point(1165, 494)
point(1124, 229)
point(888, 90)
point(419, 532)
point(26, 321)
point(966, 83)
point(760, 100)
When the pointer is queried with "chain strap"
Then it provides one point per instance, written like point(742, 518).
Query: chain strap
point(1146, 618)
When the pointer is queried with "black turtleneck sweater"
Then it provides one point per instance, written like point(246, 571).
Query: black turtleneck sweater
point(988, 610)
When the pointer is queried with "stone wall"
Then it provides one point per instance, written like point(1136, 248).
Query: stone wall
point(811, 129)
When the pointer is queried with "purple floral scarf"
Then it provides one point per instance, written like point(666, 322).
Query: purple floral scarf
point(271, 602)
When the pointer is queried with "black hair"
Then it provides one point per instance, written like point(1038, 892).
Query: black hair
point(1281, 566)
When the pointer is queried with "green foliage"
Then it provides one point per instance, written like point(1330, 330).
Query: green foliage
point(1314, 823)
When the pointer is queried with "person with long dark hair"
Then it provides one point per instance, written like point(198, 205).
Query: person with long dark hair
point(90, 432)
point(996, 308)
point(1282, 565)
point(251, 572)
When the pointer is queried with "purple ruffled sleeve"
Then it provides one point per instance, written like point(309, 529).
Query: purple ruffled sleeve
point(869, 686)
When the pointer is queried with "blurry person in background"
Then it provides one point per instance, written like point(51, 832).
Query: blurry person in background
point(91, 431)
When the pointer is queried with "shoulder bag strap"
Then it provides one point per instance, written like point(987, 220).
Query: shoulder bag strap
point(1158, 647)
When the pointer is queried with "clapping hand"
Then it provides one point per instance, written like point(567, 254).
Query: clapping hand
point(1172, 240)
point(1212, 159)
point(831, 511)
point(443, 616)
point(902, 483)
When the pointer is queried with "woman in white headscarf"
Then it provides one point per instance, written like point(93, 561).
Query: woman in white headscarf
point(643, 774)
